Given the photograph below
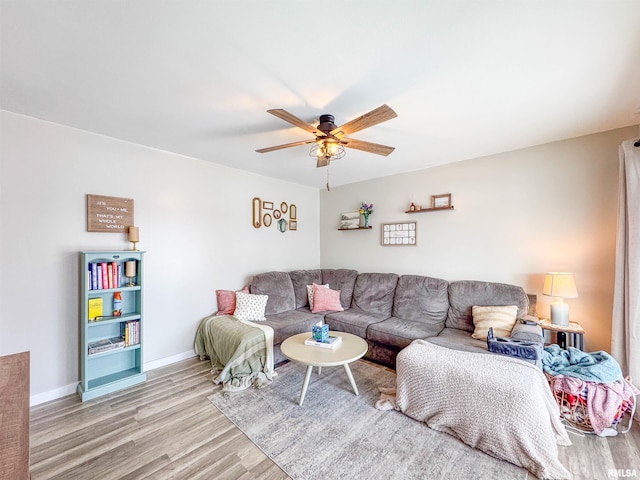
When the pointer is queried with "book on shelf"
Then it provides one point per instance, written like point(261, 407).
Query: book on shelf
point(130, 331)
point(331, 342)
point(105, 345)
point(114, 274)
point(93, 274)
point(99, 274)
point(105, 275)
point(110, 275)
point(95, 308)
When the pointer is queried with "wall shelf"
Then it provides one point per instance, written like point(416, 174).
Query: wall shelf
point(433, 209)
point(359, 228)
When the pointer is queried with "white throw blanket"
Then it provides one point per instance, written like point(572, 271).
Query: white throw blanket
point(497, 404)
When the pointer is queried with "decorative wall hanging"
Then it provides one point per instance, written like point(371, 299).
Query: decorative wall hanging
point(265, 214)
point(399, 234)
point(109, 214)
point(257, 212)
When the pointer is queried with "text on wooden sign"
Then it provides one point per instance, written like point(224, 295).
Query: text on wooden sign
point(109, 214)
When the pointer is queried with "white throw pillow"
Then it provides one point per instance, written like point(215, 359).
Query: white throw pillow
point(501, 319)
point(250, 307)
point(310, 292)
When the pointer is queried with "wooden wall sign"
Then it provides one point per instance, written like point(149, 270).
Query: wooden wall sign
point(109, 214)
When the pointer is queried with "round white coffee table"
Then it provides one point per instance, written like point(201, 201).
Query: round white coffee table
point(350, 349)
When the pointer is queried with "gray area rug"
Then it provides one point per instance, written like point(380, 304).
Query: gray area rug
point(338, 435)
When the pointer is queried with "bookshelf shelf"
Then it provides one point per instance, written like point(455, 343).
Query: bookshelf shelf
point(115, 340)
point(115, 351)
point(107, 320)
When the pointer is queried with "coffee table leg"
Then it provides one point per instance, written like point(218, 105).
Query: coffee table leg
point(353, 382)
point(305, 384)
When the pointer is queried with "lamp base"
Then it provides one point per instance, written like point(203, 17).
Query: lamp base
point(135, 248)
point(559, 312)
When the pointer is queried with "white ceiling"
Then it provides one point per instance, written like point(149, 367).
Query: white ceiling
point(467, 79)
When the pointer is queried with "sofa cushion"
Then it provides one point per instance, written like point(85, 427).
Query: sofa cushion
point(400, 333)
point(374, 292)
point(341, 279)
point(250, 307)
point(353, 321)
point(422, 299)
point(300, 279)
point(310, 292)
point(226, 300)
point(464, 294)
point(291, 323)
point(459, 340)
point(325, 299)
point(501, 319)
point(278, 286)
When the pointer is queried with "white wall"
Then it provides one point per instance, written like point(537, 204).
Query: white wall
point(195, 224)
point(517, 215)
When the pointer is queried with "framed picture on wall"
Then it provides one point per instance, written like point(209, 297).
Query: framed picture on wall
point(349, 220)
point(399, 234)
point(441, 201)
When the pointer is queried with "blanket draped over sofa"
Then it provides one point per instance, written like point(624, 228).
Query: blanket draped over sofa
point(497, 404)
point(241, 351)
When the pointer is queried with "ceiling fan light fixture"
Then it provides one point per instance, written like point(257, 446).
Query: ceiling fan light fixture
point(328, 150)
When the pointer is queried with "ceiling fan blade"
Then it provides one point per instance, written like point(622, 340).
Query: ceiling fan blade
point(293, 120)
point(374, 117)
point(286, 145)
point(369, 147)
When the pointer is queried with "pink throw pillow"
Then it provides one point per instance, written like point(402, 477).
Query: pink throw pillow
point(227, 301)
point(325, 299)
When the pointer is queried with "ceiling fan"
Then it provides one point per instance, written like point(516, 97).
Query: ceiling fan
point(330, 139)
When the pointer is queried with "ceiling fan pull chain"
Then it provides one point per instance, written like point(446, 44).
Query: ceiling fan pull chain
point(328, 187)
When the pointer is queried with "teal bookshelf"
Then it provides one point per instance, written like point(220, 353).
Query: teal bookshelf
point(110, 345)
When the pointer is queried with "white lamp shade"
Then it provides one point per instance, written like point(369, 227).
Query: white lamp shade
point(560, 285)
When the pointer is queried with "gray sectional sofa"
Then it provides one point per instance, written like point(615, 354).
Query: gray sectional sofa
point(388, 310)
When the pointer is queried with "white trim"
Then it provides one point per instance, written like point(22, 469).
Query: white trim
point(53, 394)
point(73, 387)
point(162, 362)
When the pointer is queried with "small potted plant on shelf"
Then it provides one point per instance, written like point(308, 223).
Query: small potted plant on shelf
point(366, 209)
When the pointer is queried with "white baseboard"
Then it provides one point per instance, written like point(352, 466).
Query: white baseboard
point(168, 360)
point(53, 394)
point(72, 387)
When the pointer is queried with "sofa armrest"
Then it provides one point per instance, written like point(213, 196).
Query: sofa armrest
point(527, 328)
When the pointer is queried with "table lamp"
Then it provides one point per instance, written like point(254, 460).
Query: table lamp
point(559, 285)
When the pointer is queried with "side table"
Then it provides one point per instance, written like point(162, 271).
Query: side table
point(574, 329)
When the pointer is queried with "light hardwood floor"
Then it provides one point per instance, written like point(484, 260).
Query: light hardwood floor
point(166, 428)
